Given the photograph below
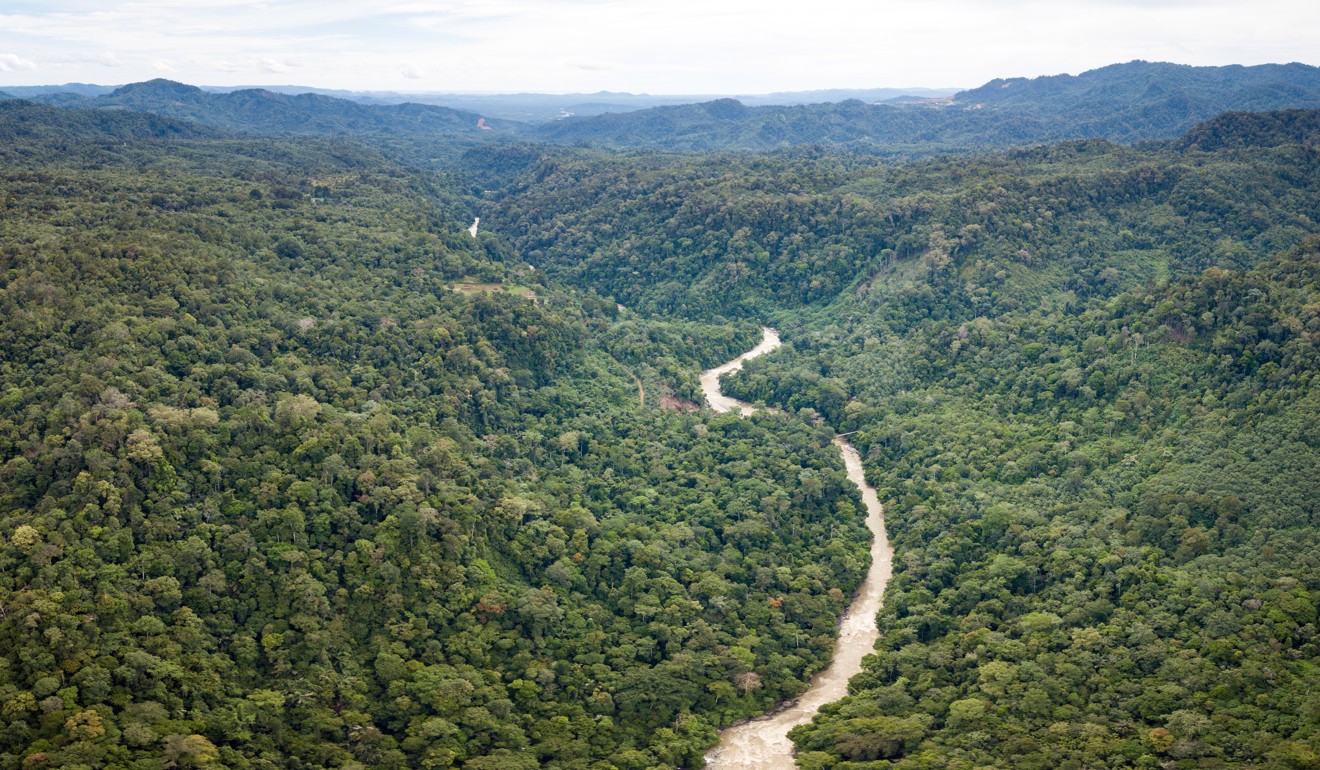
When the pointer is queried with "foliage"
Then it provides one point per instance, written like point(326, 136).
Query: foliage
point(1107, 538)
point(272, 495)
point(717, 235)
point(1084, 378)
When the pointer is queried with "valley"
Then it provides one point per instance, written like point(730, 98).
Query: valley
point(762, 742)
point(300, 469)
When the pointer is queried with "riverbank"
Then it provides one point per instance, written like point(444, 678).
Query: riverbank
point(762, 743)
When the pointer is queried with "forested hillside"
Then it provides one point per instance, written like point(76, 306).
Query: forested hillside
point(295, 472)
point(1122, 102)
point(1106, 519)
point(273, 495)
point(1146, 100)
point(732, 234)
point(1083, 376)
point(259, 111)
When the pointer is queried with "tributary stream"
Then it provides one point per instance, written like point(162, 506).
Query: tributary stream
point(762, 743)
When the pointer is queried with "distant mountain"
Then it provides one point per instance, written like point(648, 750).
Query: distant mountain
point(1123, 102)
point(727, 124)
point(540, 108)
point(267, 112)
point(37, 125)
point(873, 95)
point(522, 107)
point(1144, 100)
point(82, 89)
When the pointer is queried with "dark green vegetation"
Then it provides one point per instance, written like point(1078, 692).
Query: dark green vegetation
point(1085, 380)
point(1107, 524)
point(33, 133)
point(707, 236)
point(272, 496)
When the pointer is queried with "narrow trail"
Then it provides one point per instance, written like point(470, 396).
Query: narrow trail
point(762, 743)
point(641, 390)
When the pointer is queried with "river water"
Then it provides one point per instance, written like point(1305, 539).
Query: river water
point(762, 743)
point(710, 379)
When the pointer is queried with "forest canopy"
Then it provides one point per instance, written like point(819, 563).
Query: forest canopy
point(1083, 378)
point(296, 472)
point(274, 494)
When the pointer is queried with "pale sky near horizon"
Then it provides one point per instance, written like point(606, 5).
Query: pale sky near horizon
point(655, 46)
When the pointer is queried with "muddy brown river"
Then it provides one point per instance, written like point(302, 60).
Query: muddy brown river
point(762, 743)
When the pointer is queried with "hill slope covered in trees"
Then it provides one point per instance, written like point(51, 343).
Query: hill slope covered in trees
point(295, 472)
point(273, 494)
point(1122, 102)
point(728, 234)
point(1084, 378)
point(259, 111)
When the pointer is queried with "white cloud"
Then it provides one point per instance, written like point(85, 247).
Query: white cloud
point(275, 66)
point(10, 62)
point(661, 46)
point(104, 59)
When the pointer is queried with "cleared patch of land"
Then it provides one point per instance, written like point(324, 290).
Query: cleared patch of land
point(472, 286)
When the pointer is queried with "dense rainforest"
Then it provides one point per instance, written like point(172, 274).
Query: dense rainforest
point(1084, 378)
point(295, 472)
point(1106, 519)
point(280, 487)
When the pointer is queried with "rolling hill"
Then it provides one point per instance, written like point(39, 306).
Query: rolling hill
point(1122, 102)
point(258, 111)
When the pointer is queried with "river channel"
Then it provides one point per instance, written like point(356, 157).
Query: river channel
point(762, 743)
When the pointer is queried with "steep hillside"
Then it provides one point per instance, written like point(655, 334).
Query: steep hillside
point(294, 473)
point(749, 235)
point(36, 130)
point(727, 124)
point(1255, 129)
point(1083, 376)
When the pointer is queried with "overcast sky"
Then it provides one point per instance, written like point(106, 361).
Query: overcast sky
point(655, 46)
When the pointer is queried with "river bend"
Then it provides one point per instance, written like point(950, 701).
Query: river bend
point(762, 743)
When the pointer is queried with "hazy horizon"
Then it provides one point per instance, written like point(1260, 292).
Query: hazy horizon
point(682, 47)
point(439, 92)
